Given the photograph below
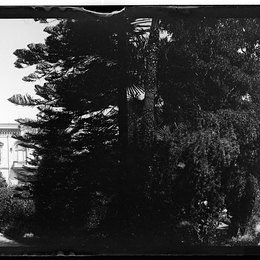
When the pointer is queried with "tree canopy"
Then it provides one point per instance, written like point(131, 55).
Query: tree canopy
point(185, 151)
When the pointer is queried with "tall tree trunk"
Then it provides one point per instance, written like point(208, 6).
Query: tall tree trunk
point(148, 120)
point(122, 99)
point(116, 219)
point(150, 84)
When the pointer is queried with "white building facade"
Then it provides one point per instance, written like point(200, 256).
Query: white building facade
point(12, 155)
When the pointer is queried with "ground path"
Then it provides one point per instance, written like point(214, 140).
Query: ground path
point(5, 242)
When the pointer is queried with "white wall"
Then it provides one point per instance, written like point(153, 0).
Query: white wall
point(11, 155)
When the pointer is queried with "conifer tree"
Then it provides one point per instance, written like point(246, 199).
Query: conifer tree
point(77, 120)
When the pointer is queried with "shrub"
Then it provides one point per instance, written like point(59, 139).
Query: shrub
point(15, 214)
point(3, 183)
point(213, 159)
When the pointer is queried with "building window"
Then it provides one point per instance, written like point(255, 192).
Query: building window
point(20, 153)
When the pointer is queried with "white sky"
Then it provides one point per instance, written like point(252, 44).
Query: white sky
point(16, 34)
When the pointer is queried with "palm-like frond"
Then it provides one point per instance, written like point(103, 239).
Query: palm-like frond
point(137, 35)
point(134, 91)
point(163, 133)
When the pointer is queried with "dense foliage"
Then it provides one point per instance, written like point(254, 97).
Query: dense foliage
point(16, 213)
point(185, 152)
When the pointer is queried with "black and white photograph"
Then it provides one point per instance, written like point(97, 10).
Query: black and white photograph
point(130, 130)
